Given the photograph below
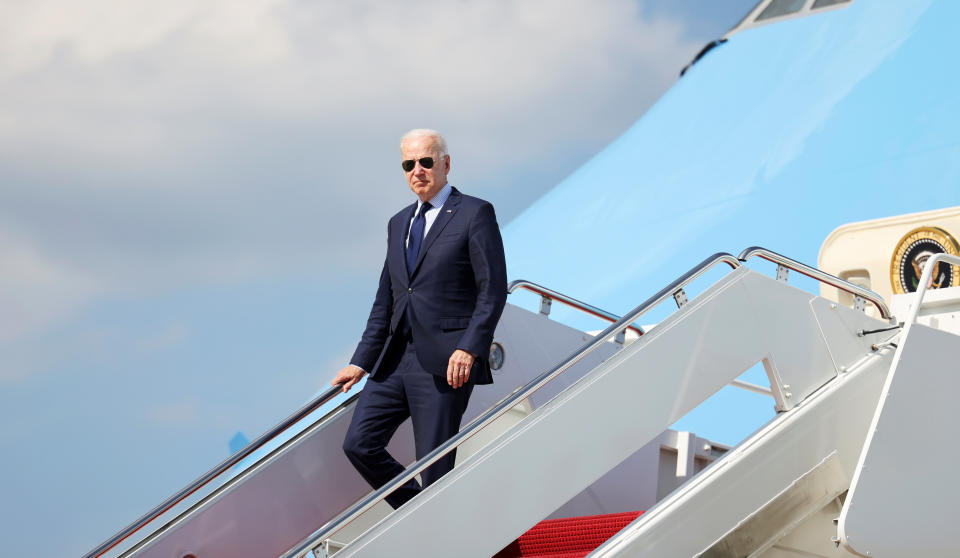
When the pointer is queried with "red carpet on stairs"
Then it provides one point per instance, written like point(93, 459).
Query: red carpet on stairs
point(572, 537)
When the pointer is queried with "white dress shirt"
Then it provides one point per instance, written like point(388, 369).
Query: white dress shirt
point(436, 202)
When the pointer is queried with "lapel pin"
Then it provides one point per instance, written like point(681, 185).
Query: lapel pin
point(449, 211)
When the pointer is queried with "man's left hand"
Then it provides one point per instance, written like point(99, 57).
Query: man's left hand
point(458, 368)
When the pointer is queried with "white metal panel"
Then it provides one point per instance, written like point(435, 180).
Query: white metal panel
point(834, 419)
point(280, 502)
point(630, 486)
point(903, 500)
point(941, 308)
point(840, 325)
point(295, 492)
point(798, 360)
point(531, 344)
point(812, 538)
point(802, 499)
point(640, 480)
point(606, 416)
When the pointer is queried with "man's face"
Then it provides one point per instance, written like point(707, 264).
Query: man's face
point(425, 183)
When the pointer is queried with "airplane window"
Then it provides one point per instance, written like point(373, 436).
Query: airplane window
point(825, 3)
point(779, 8)
point(772, 11)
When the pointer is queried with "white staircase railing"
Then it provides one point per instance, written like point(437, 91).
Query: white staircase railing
point(803, 340)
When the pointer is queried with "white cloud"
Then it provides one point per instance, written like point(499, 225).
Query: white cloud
point(151, 146)
point(36, 292)
point(97, 30)
point(139, 74)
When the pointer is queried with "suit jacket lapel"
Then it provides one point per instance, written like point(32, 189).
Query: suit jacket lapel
point(447, 212)
point(399, 249)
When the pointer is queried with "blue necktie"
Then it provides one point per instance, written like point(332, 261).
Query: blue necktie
point(416, 237)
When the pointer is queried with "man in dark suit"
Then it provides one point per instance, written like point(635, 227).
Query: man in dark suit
point(441, 293)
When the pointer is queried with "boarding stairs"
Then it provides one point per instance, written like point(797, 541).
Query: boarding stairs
point(574, 423)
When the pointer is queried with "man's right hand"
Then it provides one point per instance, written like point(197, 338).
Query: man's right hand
point(347, 377)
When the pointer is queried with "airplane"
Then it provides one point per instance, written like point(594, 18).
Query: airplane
point(786, 211)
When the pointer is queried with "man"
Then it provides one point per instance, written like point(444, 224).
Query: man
point(441, 293)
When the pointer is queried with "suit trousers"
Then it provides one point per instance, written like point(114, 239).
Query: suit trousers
point(402, 389)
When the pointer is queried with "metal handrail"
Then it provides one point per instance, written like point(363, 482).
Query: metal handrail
point(505, 404)
point(227, 464)
point(925, 281)
point(600, 313)
point(568, 300)
point(822, 276)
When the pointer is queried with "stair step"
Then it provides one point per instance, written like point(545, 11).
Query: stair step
point(569, 537)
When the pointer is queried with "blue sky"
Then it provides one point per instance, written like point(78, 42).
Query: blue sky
point(193, 202)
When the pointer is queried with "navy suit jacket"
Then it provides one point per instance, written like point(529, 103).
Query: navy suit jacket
point(453, 299)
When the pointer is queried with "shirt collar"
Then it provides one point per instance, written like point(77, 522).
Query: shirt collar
point(438, 200)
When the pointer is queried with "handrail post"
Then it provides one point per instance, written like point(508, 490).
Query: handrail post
point(856, 290)
point(545, 304)
point(547, 296)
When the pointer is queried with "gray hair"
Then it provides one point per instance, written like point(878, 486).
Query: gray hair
point(438, 141)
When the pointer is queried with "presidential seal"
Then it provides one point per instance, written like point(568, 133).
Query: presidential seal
point(912, 253)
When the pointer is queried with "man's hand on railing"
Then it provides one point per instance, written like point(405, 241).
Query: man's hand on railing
point(348, 376)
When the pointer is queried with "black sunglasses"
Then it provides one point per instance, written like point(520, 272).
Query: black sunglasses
point(425, 162)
